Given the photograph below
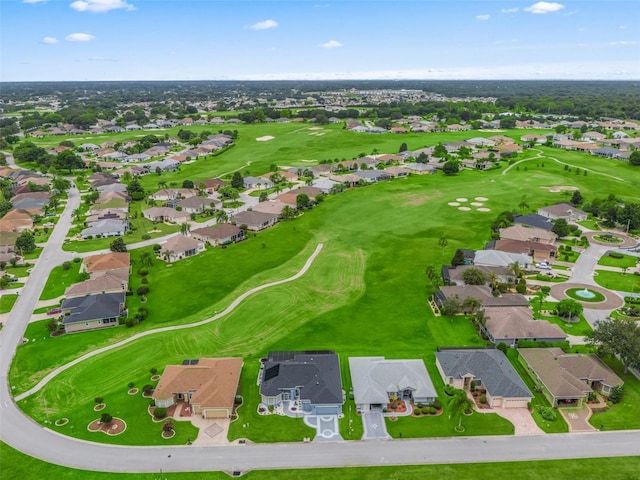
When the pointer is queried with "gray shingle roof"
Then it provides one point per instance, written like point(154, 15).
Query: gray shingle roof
point(316, 374)
point(491, 366)
point(92, 307)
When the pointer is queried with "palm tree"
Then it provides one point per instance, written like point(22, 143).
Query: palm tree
point(126, 177)
point(146, 259)
point(77, 215)
point(515, 269)
point(459, 405)
point(471, 305)
point(162, 184)
point(523, 205)
point(287, 213)
point(185, 228)
point(443, 242)
point(221, 216)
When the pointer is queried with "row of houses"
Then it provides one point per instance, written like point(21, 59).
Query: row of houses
point(301, 383)
point(99, 301)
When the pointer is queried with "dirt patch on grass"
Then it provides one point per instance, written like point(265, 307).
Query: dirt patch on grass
point(560, 188)
point(415, 200)
point(99, 407)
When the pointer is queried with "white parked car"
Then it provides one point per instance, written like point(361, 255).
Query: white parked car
point(543, 266)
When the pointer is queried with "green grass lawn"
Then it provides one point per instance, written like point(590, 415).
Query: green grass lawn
point(618, 281)
point(590, 224)
point(7, 301)
point(60, 279)
point(364, 295)
point(20, 271)
point(622, 468)
point(627, 261)
point(33, 255)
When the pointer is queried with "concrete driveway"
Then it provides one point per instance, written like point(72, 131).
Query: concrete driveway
point(326, 426)
point(522, 420)
point(374, 426)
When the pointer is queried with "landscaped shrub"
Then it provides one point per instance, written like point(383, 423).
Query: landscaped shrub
point(142, 290)
point(77, 260)
point(106, 418)
point(131, 384)
point(615, 255)
point(98, 399)
point(449, 390)
point(548, 414)
point(66, 265)
point(144, 281)
point(436, 404)
point(616, 394)
point(483, 399)
point(154, 370)
point(502, 347)
point(160, 412)
point(143, 272)
point(420, 405)
point(146, 236)
point(147, 388)
point(432, 411)
point(522, 289)
point(545, 289)
point(129, 322)
point(424, 410)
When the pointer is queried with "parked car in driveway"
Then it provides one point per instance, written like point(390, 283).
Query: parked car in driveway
point(543, 266)
point(54, 311)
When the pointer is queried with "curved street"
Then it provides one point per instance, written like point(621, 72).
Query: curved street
point(22, 433)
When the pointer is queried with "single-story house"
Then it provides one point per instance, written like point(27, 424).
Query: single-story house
point(373, 175)
point(510, 325)
point(454, 275)
point(173, 194)
point(309, 378)
point(273, 207)
point(105, 228)
point(209, 385)
point(30, 201)
point(179, 247)
point(567, 378)
point(105, 261)
point(540, 252)
point(533, 220)
point(482, 293)
point(563, 210)
point(324, 184)
point(397, 172)
point(495, 258)
point(528, 234)
point(165, 214)
point(92, 311)
point(253, 182)
point(255, 221)
point(376, 380)
point(489, 369)
point(197, 204)
point(8, 241)
point(220, 234)
point(16, 221)
point(420, 168)
point(103, 281)
point(213, 184)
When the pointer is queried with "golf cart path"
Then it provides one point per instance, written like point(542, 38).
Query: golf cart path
point(138, 336)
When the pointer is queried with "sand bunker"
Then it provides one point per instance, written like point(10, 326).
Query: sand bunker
point(266, 138)
point(315, 128)
point(560, 188)
point(481, 199)
point(484, 209)
point(464, 209)
point(477, 204)
point(453, 204)
point(462, 199)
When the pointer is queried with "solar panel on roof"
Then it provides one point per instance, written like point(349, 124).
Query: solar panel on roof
point(272, 372)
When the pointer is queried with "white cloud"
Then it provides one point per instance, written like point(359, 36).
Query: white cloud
point(544, 7)
point(331, 44)
point(100, 6)
point(79, 37)
point(509, 10)
point(483, 18)
point(265, 25)
point(622, 43)
point(49, 40)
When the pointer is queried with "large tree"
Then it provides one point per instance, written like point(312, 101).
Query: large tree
point(634, 158)
point(560, 227)
point(451, 167)
point(67, 160)
point(569, 308)
point(25, 243)
point(576, 198)
point(617, 337)
point(118, 245)
point(237, 181)
point(135, 189)
point(474, 276)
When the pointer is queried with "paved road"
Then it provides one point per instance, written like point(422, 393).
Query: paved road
point(29, 437)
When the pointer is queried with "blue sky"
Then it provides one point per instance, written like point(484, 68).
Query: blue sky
point(85, 40)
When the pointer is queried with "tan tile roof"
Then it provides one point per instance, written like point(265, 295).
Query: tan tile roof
point(180, 243)
point(518, 322)
point(220, 231)
point(100, 281)
point(270, 207)
point(107, 261)
point(214, 382)
point(16, 219)
point(563, 374)
point(519, 232)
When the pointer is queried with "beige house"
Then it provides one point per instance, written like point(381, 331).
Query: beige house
point(567, 378)
point(209, 385)
point(528, 234)
point(273, 207)
point(16, 221)
point(484, 368)
point(179, 247)
point(103, 281)
point(509, 325)
point(255, 221)
point(106, 261)
point(173, 194)
point(563, 210)
point(220, 234)
point(165, 214)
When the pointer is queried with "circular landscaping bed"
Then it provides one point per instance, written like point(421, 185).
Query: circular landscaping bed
point(169, 434)
point(99, 407)
point(133, 391)
point(61, 422)
point(155, 377)
point(116, 427)
point(574, 293)
point(609, 239)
